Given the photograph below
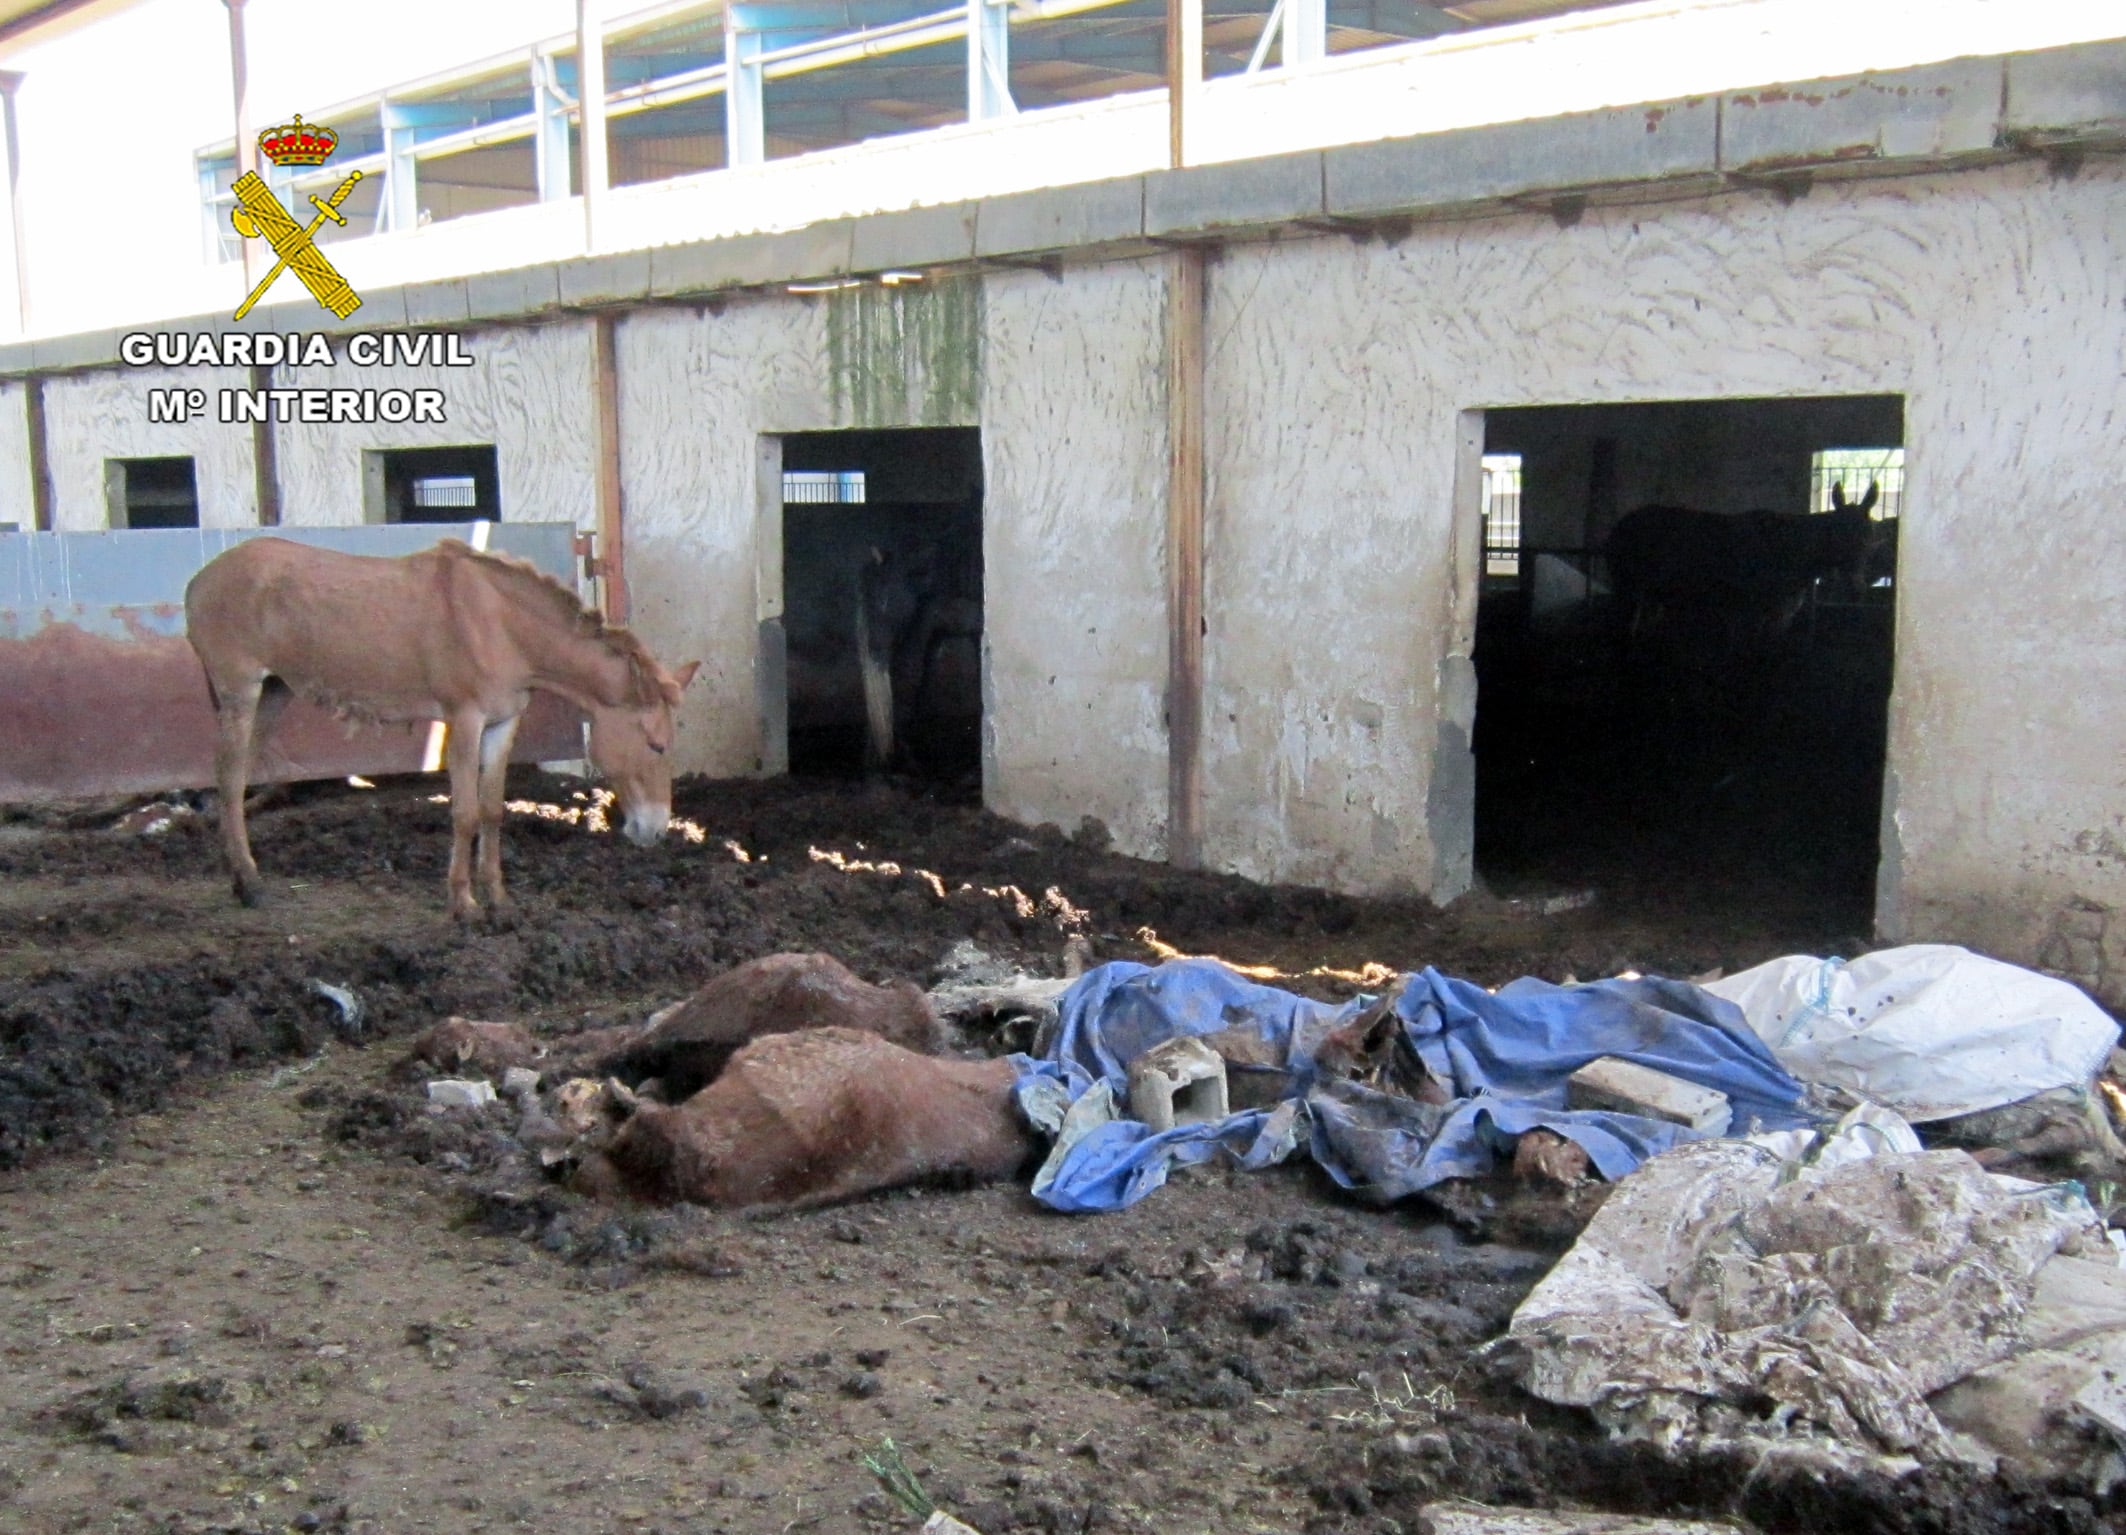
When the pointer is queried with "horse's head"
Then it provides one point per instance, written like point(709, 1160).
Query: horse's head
point(631, 747)
point(1854, 554)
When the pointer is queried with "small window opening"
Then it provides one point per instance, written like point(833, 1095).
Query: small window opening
point(812, 487)
point(1850, 471)
point(151, 492)
point(1502, 514)
point(432, 484)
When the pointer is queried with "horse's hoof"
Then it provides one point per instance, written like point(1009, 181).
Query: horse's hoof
point(502, 917)
point(464, 914)
point(253, 896)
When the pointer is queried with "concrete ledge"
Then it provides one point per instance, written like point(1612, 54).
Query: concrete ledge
point(612, 279)
point(1626, 145)
point(751, 261)
point(1921, 114)
point(2067, 94)
point(84, 349)
point(514, 291)
point(1237, 195)
point(915, 237)
point(438, 303)
point(1060, 218)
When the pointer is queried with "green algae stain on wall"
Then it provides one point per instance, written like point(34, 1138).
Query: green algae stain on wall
point(906, 355)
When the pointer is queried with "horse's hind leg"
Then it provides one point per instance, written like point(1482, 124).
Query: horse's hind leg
point(495, 743)
point(462, 757)
point(236, 705)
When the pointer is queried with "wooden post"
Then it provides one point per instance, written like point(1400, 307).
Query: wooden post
point(40, 458)
point(265, 455)
point(1184, 558)
point(612, 526)
point(246, 140)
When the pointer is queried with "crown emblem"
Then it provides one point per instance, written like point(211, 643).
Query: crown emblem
point(298, 143)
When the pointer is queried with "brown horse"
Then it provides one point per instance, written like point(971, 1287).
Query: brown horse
point(448, 634)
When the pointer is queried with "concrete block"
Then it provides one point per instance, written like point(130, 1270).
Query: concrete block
point(1930, 112)
point(437, 303)
point(382, 309)
point(16, 359)
point(458, 1093)
point(913, 237)
point(753, 261)
point(2067, 93)
point(1666, 141)
point(519, 290)
point(1626, 1088)
point(1479, 1519)
point(1244, 193)
point(1181, 1082)
point(1060, 218)
point(83, 349)
point(611, 279)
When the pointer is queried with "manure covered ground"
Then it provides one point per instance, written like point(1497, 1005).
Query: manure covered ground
point(246, 1283)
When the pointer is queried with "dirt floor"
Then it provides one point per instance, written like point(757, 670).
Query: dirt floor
point(247, 1283)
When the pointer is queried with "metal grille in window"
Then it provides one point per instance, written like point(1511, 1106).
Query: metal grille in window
point(446, 490)
point(809, 487)
point(1502, 514)
point(1855, 469)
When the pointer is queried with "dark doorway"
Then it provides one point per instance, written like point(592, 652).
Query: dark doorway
point(433, 484)
point(1684, 650)
point(152, 492)
point(882, 603)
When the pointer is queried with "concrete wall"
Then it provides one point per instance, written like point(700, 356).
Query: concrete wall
point(1074, 434)
point(97, 416)
point(1338, 374)
point(528, 393)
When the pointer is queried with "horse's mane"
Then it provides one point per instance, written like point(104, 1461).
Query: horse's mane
point(646, 677)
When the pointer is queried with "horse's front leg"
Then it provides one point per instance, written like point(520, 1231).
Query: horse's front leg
point(236, 707)
point(462, 757)
point(495, 743)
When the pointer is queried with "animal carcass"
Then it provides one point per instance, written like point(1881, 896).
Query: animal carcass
point(810, 1118)
point(685, 1046)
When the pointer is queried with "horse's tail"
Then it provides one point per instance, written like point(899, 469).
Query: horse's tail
point(876, 665)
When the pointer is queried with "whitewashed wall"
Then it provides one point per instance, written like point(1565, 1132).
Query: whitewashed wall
point(97, 416)
point(1075, 443)
point(696, 391)
point(528, 392)
point(1991, 301)
point(15, 504)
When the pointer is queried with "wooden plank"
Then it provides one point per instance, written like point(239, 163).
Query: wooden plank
point(612, 526)
point(1184, 546)
point(40, 456)
point(265, 459)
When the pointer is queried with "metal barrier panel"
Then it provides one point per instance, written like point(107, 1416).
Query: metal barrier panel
point(101, 694)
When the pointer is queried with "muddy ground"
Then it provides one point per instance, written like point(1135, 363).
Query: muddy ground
point(247, 1284)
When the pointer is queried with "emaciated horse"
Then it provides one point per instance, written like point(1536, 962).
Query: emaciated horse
point(448, 634)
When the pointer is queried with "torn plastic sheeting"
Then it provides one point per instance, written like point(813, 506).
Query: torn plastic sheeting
point(1721, 1292)
point(1930, 1030)
point(1504, 1059)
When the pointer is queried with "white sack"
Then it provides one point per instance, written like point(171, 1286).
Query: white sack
point(1930, 1030)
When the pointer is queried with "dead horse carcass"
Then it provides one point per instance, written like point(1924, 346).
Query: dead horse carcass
point(447, 634)
point(686, 1046)
point(815, 1117)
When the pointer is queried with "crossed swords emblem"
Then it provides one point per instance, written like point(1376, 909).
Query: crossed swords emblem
point(259, 212)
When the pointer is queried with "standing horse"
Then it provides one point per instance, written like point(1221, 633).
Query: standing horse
point(448, 634)
point(1735, 582)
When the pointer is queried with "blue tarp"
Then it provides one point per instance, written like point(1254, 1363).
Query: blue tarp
point(1503, 1058)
